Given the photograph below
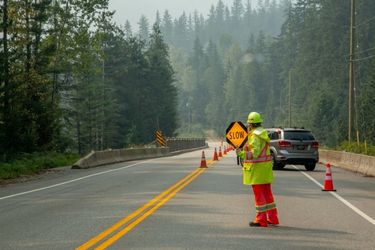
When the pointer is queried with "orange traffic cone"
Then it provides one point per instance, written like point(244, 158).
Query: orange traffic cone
point(220, 154)
point(203, 161)
point(225, 150)
point(215, 156)
point(328, 182)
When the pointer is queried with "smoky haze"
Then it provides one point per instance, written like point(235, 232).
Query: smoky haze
point(133, 9)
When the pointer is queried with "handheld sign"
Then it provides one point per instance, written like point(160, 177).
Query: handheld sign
point(236, 134)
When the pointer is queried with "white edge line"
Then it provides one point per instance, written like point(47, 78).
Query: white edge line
point(351, 206)
point(74, 180)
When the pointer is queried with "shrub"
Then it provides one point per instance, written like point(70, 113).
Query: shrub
point(353, 147)
point(27, 164)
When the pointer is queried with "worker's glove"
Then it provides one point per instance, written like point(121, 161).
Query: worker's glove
point(238, 151)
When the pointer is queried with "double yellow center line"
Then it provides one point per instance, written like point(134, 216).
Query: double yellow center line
point(120, 228)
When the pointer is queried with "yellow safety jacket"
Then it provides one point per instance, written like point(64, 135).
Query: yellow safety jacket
point(257, 160)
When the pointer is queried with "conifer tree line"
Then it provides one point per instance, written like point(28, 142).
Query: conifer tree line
point(243, 58)
point(72, 80)
point(210, 54)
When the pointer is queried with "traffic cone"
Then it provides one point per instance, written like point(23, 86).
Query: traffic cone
point(225, 150)
point(203, 161)
point(215, 156)
point(220, 154)
point(328, 182)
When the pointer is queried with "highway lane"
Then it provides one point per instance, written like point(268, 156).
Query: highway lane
point(211, 212)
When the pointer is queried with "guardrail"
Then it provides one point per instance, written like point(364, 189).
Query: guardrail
point(363, 164)
point(175, 146)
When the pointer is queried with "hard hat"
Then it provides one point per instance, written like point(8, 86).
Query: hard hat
point(254, 117)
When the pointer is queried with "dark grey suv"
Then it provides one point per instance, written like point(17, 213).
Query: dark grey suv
point(293, 146)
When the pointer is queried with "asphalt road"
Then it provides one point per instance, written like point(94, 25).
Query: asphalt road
point(169, 203)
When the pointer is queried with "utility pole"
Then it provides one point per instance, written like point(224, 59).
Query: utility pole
point(351, 68)
point(290, 98)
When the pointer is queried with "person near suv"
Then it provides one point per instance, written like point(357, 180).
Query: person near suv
point(257, 171)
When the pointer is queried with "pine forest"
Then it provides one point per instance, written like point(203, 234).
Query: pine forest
point(73, 80)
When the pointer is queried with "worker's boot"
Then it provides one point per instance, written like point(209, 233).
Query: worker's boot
point(256, 224)
point(273, 223)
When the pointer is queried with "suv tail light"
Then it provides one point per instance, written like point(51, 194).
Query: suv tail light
point(315, 144)
point(284, 144)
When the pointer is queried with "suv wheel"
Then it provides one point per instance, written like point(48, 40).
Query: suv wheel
point(310, 166)
point(276, 165)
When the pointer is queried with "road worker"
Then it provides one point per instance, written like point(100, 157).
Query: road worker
point(257, 171)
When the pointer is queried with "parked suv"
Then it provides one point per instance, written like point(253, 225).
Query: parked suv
point(293, 146)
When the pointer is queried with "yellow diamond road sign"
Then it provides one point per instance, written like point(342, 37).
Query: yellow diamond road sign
point(236, 134)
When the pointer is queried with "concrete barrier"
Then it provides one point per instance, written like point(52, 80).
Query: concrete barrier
point(179, 144)
point(175, 146)
point(363, 164)
point(99, 158)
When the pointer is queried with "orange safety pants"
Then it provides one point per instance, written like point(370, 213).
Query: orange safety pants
point(265, 205)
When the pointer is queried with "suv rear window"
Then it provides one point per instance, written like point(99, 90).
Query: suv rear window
point(273, 135)
point(298, 136)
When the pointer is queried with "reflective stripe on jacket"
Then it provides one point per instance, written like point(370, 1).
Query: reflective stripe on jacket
point(263, 157)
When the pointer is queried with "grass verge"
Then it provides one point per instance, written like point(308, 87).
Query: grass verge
point(29, 164)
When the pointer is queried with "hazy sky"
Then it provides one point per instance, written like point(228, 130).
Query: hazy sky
point(133, 9)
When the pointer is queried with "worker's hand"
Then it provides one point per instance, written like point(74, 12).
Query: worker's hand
point(238, 151)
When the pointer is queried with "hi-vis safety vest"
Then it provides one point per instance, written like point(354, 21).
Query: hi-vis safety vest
point(257, 170)
point(263, 157)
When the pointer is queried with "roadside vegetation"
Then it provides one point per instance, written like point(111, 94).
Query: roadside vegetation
point(30, 164)
point(353, 147)
point(73, 80)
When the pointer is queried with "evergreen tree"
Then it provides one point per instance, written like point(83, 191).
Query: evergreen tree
point(167, 27)
point(5, 87)
point(198, 63)
point(214, 79)
point(181, 35)
point(158, 18)
point(128, 81)
point(236, 18)
point(162, 92)
point(198, 25)
point(143, 27)
point(28, 121)
point(236, 96)
point(367, 121)
point(128, 29)
point(211, 23)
